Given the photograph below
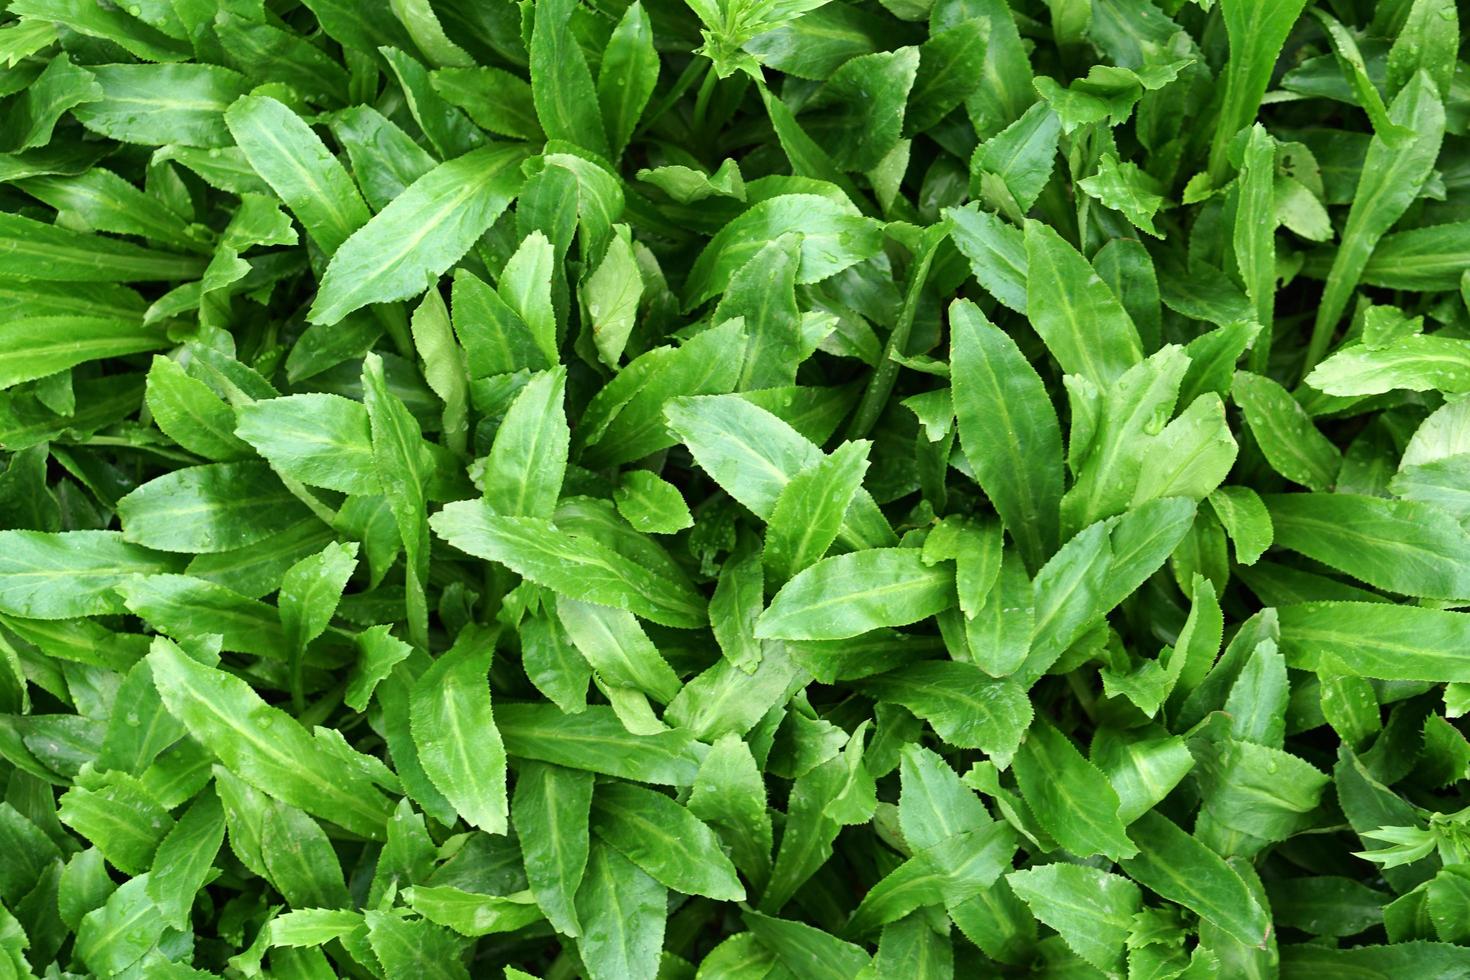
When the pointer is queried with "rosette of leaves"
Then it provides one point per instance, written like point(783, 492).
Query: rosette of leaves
point(907, 488)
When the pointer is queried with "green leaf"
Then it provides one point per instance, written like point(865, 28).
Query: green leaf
point(183, 606)
point(60, 86)
point(1425, 958)
point(550, 810)
point(999, 634)
point(184, 858)
point(809, 511)
point(444, 367)
point(851, 594)
point(1178, 867)
point(191, 414)
point(997, 253)
point(623, 912)
point(1077, 314)
point(1396, 545)
point(414, 947)
point(611, 296)
point(299, 859)
point(1091, 909)
point(108, 203)
point(522, 476)
point(1011, 168)
point(454, 730)
point(618, 649)
point(665, 840)
point(834, 237)
point(423, 25)
point(1345, 48)
point(730, 796)
point(1246, 520)
point(319, 439)
point(1257, 32)
point(35, 347)
point(595, 741)
point(858, 114)
point(31, 248)
point(398, 459)
point(471, 913)
point(566, 100)
point(820, 955)
point(263, 745)
point(650, 504)
point(1290, 442)
point(115, 936)
point(763, 293)
point(1416, 362)
point(1008, 429)
point(1327, 905)
point(73, 573)
point(166, 103)
point(753, 455)
point(495, 100)
point(1254, 235)
point(1392, 175)
point(1258, 698)
point(909, 947)
point(424, 231)
point(1373, 640)
point(448, 131)
point(205, 509)
point(966, 707)
point(1127, 189)
point(309, 594)
point(950, 63)
point(626, 76)
point(569, 563)
point(1094, 571)
point(627, 416)
point(299, 168)
point(119, 816)
point(1069, 796)
point(1424, 42)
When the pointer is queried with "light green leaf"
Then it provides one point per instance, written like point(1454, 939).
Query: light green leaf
point(420, 234)
point(522, 476)
point(1008, 429)
point(1092, 909)
point(454, 730)
point(299, 168)
point(569, 563)
point(851, 594)
point(206, 509)
point(652, 505)
point(966, 707)
point(1068, 795)
point(184, 858)
point(665, 840)
point(1078, 315)
point(319, 439)
point(263, 745)
point(73, 573)
point(809, 511)
point(623, 912)
point(550, 810)
point(1397, 545)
